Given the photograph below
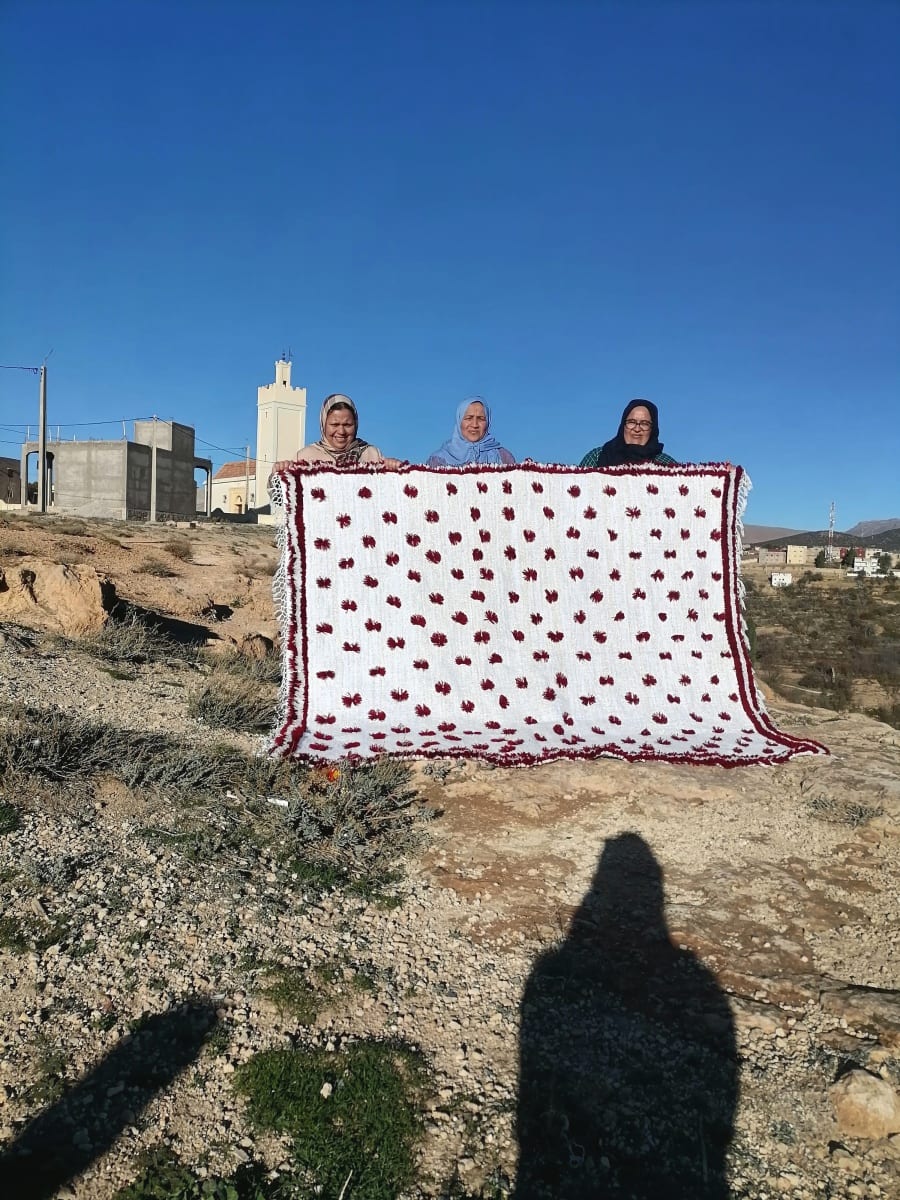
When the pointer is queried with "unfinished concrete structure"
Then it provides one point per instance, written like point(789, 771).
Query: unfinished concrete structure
point(10, 483)
point(149, 478)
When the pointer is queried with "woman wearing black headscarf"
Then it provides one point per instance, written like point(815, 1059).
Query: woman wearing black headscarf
point(637, 441)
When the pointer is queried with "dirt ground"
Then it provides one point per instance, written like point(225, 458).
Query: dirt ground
point(782, 881)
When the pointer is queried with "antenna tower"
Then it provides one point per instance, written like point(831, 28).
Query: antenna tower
point(829, 550)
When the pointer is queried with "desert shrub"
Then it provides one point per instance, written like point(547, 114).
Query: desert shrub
point(263, 670)
point(841, 811)
point(358, 822)
point(348, 831)
point(131, 639)
point(353, 1114)
point(227, 705)
point(68, 525)
point(50, 745)
point(261, 567)
point(839, 694)
point(180, 548)
point(889, 714)
point(157, 569)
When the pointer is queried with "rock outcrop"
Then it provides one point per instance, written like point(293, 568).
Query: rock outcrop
point(40, 594)
point(866, 1106)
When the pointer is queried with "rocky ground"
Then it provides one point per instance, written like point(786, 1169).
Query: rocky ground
point(779, 932)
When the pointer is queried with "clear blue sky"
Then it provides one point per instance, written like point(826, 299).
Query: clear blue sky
point(558, 205)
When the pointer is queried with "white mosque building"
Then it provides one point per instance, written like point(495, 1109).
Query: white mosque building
point(240, 486)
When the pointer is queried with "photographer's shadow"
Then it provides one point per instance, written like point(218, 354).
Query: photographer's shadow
point(628, 1066)
point(61, 1142)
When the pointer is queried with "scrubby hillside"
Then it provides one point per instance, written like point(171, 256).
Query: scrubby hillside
point(225, 977)
point(831, 641)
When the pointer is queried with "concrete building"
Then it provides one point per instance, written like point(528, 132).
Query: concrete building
point(10, 483)
point(149, 478)
point(280, 426)
point(800, 556)
point(866, 566)
point(772, 558)
point(229, 487)
point(780, 579)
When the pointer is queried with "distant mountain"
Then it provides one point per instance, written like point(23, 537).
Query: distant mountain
point(754, 534)
point(813, 537)
point(888, 540)
point(869, 528)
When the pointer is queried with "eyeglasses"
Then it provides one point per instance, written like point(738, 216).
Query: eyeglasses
point(638, 424)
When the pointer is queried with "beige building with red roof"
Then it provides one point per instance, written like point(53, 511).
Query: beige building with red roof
point(230, 486)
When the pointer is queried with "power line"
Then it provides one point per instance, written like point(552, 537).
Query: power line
point(224, 449)
point(82, 424)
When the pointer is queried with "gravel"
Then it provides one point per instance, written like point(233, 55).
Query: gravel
point(146, 932)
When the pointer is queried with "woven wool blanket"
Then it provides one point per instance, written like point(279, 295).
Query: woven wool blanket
point(518, 614)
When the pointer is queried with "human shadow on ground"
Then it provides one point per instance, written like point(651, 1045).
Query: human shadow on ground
point(628, 1064)
point(81, 1126)
point(183, 633)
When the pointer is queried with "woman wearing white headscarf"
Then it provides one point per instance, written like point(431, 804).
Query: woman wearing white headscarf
point(471, 441)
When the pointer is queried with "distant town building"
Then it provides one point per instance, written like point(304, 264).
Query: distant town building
point(149, 478)
point(865, 566)
point(801, 556)
point(780, 579)
point(229, 487)
point(772, 557)
point(10, 483)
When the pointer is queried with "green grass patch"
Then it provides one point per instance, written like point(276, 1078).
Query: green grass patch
point(354, 1115)
point(163, 1177)
point(20, 935)
point(293, 993)
point(50, 1084)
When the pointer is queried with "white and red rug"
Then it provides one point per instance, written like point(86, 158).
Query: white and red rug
point(518, 614)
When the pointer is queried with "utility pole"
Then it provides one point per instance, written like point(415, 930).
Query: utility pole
point(829, 552)
point(42, 444)
point(152, 516)
point(247, 481)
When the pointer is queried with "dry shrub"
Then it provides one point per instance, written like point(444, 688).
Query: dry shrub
point(159, 570)
point(132, 640)
point(180, 548)
point(261, 567)
point(229, 704)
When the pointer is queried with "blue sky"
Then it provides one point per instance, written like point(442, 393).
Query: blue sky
point(557, 205)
